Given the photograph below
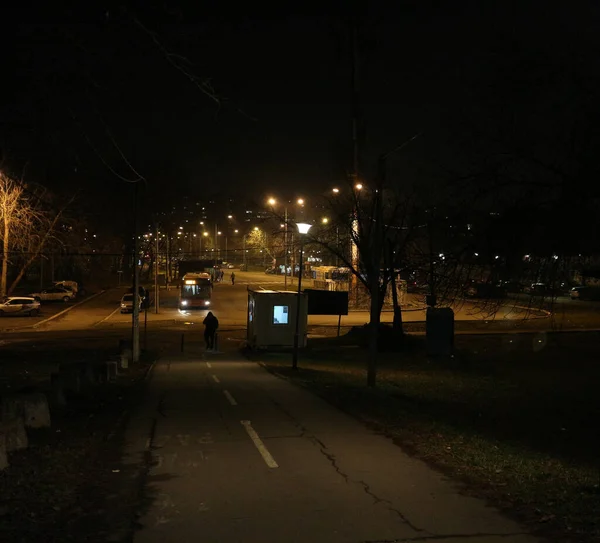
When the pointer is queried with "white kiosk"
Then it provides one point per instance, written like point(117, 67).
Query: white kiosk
point(272, 318)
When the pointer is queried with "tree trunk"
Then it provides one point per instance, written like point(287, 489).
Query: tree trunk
point(374, 320)
point(397, 322)
point(5, 253)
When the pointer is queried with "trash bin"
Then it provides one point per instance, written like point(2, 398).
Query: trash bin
point(439, 331)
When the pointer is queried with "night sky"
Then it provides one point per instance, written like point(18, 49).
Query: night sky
point(86, 92)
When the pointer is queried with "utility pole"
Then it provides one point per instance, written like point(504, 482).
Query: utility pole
point(216, 242)
point(355, 149)
point(167, 259)
point(156, 286)
point(285, 250)
point(135, 318)
point(244, 251)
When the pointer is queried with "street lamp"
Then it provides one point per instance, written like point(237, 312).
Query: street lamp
point(272, 203)
point(303, 229)
point(205, 234)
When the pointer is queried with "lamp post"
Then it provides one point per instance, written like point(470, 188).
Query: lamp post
point(303, 229)
point(216, 243)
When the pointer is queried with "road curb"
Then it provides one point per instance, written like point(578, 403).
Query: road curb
point(63, 311)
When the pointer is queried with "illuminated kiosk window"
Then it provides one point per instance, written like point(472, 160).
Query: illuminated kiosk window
point(280, 314)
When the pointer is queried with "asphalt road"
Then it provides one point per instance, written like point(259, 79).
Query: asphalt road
point(239, 455)
point(229, 303)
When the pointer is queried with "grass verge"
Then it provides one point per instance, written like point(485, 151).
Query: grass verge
point(515, 417)
point(70, 485)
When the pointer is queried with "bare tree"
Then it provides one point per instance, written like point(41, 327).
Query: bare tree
point(28, 223)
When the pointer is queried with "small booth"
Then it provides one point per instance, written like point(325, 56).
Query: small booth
point(272, 318)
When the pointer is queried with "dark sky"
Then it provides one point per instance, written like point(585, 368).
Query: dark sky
point(87, 90)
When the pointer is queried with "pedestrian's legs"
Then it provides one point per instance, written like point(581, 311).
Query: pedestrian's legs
point(207, 339)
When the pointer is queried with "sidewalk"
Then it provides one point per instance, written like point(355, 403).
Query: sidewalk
point(240, 455)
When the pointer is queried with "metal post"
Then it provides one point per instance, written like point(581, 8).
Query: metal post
point(285, 250)
point(295, 356)
point(145, 327)
point(135, 318)
point(216, 242)
point(337, 247)
point(156, 287)
point(244, 250)
point(226, 249)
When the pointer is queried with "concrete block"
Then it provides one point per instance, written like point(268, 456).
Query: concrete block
point(87, 376)
point(57, 390)
point(33, 408)
point(71, 378)
point(3, 452)
point(112, 369)
point(126, 358)
point(15, 434)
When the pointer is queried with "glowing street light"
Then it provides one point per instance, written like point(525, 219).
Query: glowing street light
point(303, 229)
point(358, 186)
point(324, 220)
point(300, 201)
point(272, 201)
point(335, 190)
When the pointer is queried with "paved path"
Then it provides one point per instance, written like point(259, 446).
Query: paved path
point(243, 456)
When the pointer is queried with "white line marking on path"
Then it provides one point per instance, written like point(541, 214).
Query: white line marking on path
point(264, 452)
point(209, 364)
point(229, 397)
point(106, 318)
point(216, 379)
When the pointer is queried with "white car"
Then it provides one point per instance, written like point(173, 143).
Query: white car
point(68, 285)
point(19, 305)
point(54, 294)
point(127, 303)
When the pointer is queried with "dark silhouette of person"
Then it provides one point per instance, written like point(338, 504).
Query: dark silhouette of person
point(211, 323)
point(232, 278)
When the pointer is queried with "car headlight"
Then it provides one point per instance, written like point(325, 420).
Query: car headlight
point(206, 302)
point(183, 302)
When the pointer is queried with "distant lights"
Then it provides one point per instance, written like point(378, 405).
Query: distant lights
point(358, 186)
point(336, 191)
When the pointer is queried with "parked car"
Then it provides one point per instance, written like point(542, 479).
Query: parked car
point(485, 290)
point(54, 294)
point(69, 285)
point(230, 266)
point(271, 271)
point(127, 303)
point(585, 293)
point(544, 289)
point(19, 305)
point(143, 293)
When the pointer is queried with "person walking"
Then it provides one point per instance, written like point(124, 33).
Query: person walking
point(211, 323)
point(232, 278)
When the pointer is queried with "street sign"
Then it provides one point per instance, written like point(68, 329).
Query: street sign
point(327, 302)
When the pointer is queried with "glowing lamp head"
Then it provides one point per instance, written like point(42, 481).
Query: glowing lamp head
point(303, 227)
